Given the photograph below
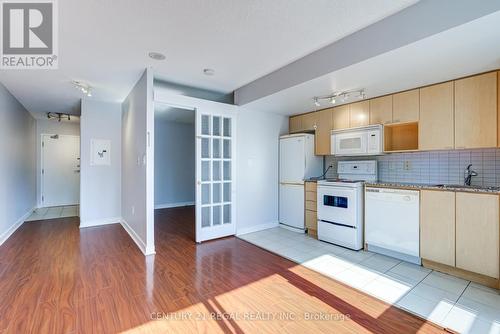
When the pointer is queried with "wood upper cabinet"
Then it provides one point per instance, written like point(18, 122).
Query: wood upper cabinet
point(436, 125)
point(477, 233)
point(476, 111)
point(437, 226)
point(295, 124)
point(309, 121)
point(322, 137)
point(359, 114)
point(498, 108)
point(381, 110)
point(340, 117)
point(406, 106)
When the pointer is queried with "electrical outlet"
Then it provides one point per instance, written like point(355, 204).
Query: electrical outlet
point(133, 209)
point(407, 165)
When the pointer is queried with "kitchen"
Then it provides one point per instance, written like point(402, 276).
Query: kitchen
point(402, 192)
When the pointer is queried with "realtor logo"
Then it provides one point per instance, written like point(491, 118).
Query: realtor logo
point(29, 34)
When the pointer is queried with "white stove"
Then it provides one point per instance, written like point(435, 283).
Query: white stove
point(340, 203)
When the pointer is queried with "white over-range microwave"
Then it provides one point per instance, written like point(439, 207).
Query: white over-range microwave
point(367, 140)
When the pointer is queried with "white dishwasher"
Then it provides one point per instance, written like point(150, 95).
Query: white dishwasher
point(392, 222)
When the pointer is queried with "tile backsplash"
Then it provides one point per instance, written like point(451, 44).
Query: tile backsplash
point(436, 167)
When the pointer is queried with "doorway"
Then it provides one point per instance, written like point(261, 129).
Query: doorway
point(60, 170)
point(211, 153)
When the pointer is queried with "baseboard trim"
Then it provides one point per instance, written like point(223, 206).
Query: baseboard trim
point(100, 222)
point(257, 228)
point(173, 205)
point(6, 235)
point(138, 241)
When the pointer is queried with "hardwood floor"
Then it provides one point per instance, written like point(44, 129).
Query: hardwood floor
point(55, 278)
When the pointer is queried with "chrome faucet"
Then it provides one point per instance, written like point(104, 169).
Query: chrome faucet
point(468, 174)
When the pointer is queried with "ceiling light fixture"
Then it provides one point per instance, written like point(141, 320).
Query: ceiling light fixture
point(156, 56)
point(58, 116)
point(208, 71)
point(83, 87)
point(344, 95)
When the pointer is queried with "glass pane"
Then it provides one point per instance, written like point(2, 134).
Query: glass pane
point(216, 122)
point(216, 171)
point(217, 215)
point(216, 148)
point(227, 192)
point(227, 170)
point(227, 127)
point(205, 147)
point(205, 124)
point(205, 217)
point(227, 214)
point(217, 193)
point(205, 194)
point(205, 170)
point(227, 148)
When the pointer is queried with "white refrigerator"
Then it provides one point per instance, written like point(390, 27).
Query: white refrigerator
point(297, 163)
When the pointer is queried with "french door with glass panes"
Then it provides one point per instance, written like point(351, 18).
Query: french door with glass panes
point(215, 170)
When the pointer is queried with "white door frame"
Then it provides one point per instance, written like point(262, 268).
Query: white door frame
point(41, 171)
point(210, 107)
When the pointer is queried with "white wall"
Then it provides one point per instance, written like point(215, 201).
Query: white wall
point(45, 126)
point(17, 164)
point(257, 168)
point(137, 163)
point(174, 163)
point(100, 186)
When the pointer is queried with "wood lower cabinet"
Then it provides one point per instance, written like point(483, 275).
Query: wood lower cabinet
point(476, 111)
point(436, 125)
point(406, 106)
point(437, 226)
point(359, 114)
point(381, 110)
point(477, 233)
point(322, 134)
point(311, 216)
point(340, 117)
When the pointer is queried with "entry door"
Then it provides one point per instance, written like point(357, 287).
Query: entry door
point(60, 170)
point(215, 170)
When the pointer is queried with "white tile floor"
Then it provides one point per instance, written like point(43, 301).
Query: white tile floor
point(54, 212)
point(446, 300)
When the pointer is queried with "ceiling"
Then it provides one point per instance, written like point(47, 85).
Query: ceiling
point(105, 43)
point(168, 113)
point(467, 49)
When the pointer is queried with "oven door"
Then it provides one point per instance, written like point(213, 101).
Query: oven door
point(350, 143)
point(337, 205)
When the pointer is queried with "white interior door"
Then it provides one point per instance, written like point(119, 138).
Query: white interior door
point(60, 170)
point(215, 171)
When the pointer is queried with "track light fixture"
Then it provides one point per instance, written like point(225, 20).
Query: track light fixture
point(58, 116)
point(343, 95)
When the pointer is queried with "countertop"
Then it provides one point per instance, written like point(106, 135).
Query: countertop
point(420, 186)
